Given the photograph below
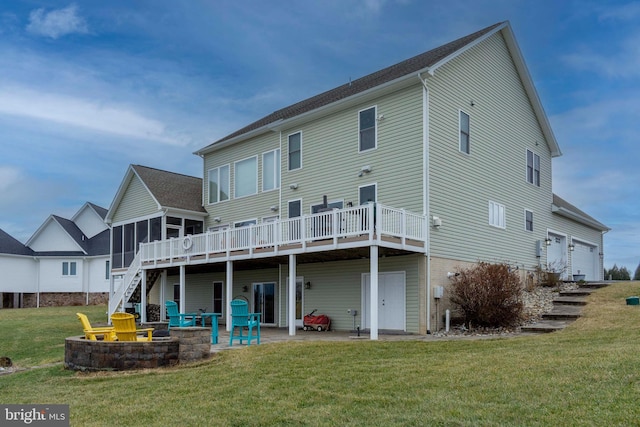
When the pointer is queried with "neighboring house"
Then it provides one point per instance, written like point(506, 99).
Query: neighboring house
point(65, 262)
point(359, 201)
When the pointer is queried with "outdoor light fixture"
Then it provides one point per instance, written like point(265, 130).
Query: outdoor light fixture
point(217, 219)
point(245, 288)
point(293, 186)
point(307, 285)
point(274, 208)
point(547, 241)
point(571, 247)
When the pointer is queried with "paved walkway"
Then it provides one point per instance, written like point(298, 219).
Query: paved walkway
point(276, 335)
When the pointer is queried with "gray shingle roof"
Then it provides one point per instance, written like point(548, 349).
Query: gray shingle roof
point(569, 210)
point(404, 68)
point(9, 245)
point(171, 189)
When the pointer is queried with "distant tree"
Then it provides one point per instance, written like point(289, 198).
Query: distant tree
point(617, 273)
point(624, 274)
point(636, 275)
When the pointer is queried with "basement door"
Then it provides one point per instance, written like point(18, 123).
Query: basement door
point(391, 301)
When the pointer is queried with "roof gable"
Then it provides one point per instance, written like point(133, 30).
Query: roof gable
point(169, 190)
point(427, 62)
point(57, 234)
point(90, 219)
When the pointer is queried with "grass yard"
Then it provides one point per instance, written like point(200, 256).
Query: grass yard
point(588, 374)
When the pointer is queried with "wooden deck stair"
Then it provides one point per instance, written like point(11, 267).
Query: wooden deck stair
point(567, 307)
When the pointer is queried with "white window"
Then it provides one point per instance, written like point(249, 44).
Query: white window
point(367, 194)
point(295, 208)
point(295, 151)
point(465, 141)
point(528, 220)
point(368, 129)
point(497, 216)
point(246, 177)
point(219, 184)
point(533, 168)
point(69, 268)
point(271, 170)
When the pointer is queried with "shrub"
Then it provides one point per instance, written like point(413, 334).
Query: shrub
point(488, 295)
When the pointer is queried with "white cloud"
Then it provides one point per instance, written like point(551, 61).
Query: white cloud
point(88, 114)
point(56, 23)
point(616, 61)
point(9, 176)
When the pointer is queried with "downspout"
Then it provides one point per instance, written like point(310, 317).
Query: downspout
point(425, 183)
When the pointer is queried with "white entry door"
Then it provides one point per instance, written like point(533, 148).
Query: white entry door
point(391, 301)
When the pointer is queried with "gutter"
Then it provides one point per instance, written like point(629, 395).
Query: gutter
point(426, 185)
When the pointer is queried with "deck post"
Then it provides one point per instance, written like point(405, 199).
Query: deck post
point(143, 297)
point(229, 292)
point(291, 310)
point(183, 287)
point(374, 292)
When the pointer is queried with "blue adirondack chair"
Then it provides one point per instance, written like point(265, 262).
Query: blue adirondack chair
point(178, 319)
point(240, 319)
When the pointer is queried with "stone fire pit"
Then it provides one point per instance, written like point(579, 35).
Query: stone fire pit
point(183, 345)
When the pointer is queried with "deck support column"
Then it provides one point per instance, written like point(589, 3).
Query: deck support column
point(229, 293)
point(143, 297)
point(183, 286)
point(291, 311)
point(373, 326)
point(163, 296)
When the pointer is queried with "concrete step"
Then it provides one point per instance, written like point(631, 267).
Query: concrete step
point(563, 312)
point(594, 285)
point(576, 292)
point(570, 300)
point(546, 326)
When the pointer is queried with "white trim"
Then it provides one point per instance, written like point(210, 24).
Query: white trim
point(208, 182)
point(460, 112)
point(532, 220)
point(375, 129)
point(526, 170)
point(374, 184)
point(277, 178)
point(501, 221)
point(235, 181)
point(289, 151)
point(288, 207)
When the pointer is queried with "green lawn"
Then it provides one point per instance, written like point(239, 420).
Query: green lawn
point(588, 374)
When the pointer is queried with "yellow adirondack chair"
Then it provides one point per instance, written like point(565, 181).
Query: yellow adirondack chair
point(125, 328)
point(91, 333)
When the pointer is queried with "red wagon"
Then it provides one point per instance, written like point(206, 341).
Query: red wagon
point(319, 323)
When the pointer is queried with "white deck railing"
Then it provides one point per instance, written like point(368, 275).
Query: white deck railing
point(369, 222)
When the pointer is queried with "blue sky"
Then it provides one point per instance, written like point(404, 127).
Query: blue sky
point(88, 87)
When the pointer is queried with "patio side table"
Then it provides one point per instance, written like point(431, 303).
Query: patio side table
point(214, 325)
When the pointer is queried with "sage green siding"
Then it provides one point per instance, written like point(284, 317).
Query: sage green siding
point(503, 126)
point(136, 202)
point(255, 206)
point(331, 160)
point(337, 287)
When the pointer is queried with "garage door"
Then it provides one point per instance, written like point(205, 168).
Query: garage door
point(585, 260)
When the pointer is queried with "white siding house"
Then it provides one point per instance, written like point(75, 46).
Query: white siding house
point(65, 262)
